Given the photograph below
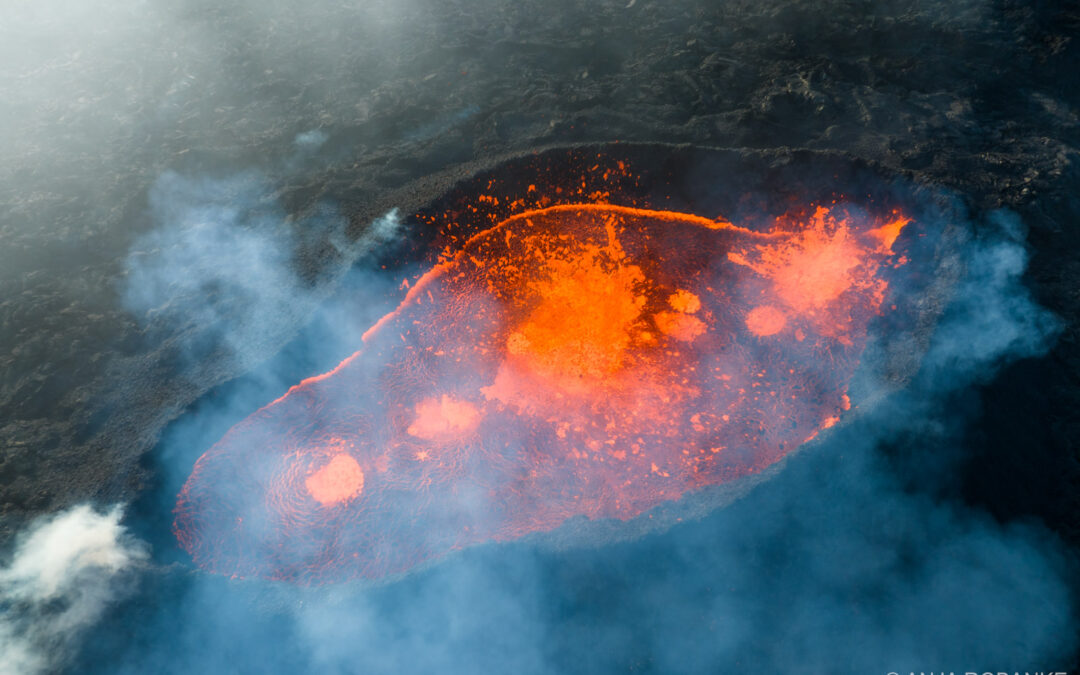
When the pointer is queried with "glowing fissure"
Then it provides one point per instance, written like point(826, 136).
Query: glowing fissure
point(580, 360)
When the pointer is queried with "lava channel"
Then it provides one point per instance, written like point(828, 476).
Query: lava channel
point(579, 360)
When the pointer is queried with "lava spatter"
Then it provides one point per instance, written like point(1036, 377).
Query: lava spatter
point(578, 360)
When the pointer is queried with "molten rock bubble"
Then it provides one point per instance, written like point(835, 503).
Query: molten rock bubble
point(579, 360)
point(765, 320)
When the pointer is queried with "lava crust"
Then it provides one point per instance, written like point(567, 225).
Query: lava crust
point(579, 360)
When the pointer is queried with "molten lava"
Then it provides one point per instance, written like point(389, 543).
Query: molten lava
point(577, 360)
point(340, 480)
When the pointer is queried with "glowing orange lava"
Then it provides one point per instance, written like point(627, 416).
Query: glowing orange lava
point(578, 360)
point(443, 417)
point(341, 479)
point(765, 320)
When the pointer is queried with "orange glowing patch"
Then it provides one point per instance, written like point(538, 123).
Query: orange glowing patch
point(340, 480)
point(765, 320)
point(574, 361)
point(442, 417)
point(682, 327)
point(812, 267)
point(587, 314)
point(684, 301)
point(888, 233)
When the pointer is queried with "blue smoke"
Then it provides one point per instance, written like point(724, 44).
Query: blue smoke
point(848, 561)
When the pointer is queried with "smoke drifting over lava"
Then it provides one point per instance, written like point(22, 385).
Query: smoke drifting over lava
point(831, 548)
point(576, 360)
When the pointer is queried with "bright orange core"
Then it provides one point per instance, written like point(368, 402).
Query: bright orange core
point(339, 481)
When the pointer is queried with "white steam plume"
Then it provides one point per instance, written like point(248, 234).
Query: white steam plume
point(65, 571)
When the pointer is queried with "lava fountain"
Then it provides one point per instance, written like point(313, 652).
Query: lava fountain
point(577, 360)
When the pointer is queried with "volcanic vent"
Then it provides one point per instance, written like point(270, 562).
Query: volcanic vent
point(587, 355)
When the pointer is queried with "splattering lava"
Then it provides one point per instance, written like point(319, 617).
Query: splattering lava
point(577, 360)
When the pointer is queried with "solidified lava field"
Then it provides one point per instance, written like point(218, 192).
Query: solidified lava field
point(575, 360)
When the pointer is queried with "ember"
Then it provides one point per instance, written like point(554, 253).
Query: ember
point(577, 360)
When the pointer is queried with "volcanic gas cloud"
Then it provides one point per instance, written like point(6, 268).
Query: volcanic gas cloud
point(577, 360)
